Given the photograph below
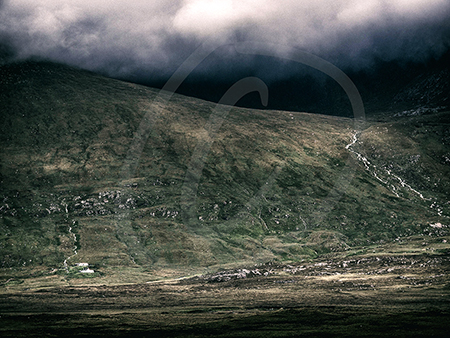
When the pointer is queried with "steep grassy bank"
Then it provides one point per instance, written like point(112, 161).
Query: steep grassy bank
point(264, 186)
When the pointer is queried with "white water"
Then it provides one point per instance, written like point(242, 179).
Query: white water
point(71, 234)
point(364, 160)
point(405, 185)
point(372, 169)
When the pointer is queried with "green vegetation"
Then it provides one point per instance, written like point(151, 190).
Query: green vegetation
point(365, 295)
point(105, 172)
point(273, 184)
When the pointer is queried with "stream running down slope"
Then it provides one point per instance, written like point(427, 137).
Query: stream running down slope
point(390, 180)
point(385, 176)
point(75, 248)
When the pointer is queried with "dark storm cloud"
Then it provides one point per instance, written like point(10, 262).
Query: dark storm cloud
point(124, 38)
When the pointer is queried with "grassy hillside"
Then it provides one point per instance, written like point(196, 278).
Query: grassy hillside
point(266, 185)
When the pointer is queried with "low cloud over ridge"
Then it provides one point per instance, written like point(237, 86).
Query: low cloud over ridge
point(122, 38)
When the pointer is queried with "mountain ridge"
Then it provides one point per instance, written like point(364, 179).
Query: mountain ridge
point(65, 138)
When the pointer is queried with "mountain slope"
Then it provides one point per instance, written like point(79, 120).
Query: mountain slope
point(98, 170)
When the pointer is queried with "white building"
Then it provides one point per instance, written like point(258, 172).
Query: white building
point(87, 270)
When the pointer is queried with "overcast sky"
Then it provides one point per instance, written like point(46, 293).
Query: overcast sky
point(154, 37)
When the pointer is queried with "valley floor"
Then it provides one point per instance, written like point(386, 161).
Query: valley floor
point(376, 295)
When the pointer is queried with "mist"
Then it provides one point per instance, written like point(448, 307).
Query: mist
point(146, 41)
